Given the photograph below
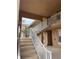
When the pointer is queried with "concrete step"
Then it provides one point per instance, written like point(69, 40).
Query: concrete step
point(23, 45)
point(26, 49)
point(31, 57)
point(25, 39)
point(28, 53)
point(26, 43)
point(23, 42)
point(29, 46)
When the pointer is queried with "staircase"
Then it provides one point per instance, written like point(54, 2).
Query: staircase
point(27, 49)
point(48, 23)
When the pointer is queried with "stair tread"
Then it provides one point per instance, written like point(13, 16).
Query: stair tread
point(28, 54)
point(26, 43)
point(31, 57)
point(28, 51)
point(28, 46)
point(25, 40)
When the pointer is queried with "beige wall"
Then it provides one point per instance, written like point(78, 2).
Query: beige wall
point(55, 38)
point(18, 3)
point(40, 37)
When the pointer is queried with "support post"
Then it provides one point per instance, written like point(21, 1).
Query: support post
point(45, 37)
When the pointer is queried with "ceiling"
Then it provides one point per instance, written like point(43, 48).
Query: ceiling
point(37, 9)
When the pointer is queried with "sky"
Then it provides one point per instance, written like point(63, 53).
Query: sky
point(27, 21)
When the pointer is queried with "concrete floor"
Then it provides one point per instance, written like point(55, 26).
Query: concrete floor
point(56, 52)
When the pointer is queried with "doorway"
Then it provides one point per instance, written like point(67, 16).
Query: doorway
point(49, 34)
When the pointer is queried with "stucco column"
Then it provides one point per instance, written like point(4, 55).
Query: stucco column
point(45, 38)
point(40, 37)
point(55, 38)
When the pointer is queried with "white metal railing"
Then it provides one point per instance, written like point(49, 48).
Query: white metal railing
point(40, 26)
point(42, 52)
point(46, 23)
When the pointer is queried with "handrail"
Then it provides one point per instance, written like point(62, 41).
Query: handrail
point(42, 52)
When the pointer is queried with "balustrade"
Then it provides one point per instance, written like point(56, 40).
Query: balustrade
point(42, 52)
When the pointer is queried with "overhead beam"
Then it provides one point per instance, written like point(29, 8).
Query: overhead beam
point(30, 15)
